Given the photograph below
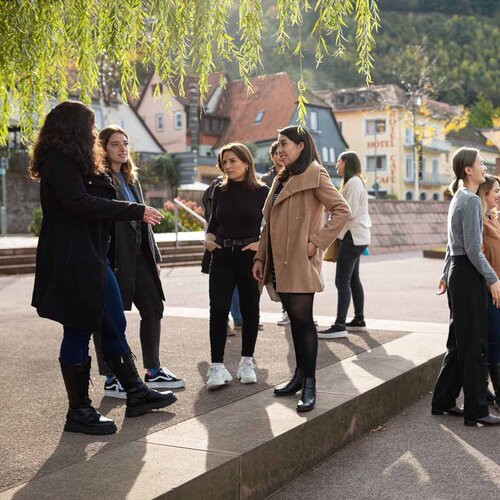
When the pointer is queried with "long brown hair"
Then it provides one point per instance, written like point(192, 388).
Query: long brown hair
point(245, 155)
point(307, 156)
point(128, 169)
point(352, 166)
point(69, 129)
point(463, 157)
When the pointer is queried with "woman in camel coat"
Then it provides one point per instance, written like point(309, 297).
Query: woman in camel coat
point(291, 249)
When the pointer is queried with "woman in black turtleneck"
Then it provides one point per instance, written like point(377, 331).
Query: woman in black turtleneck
point(233, 238)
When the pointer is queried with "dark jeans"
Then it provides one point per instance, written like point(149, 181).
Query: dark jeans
point(347, 280)
point(148, 301)
point(464, 364)
point(229, 267)
point(299, 307)
point(493, 333)
point(75, 343)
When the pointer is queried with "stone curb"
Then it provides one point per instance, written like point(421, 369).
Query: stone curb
point(252, 447)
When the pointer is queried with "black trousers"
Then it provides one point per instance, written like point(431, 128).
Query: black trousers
point(231, 266)
point(149, 303)
point(464, 364)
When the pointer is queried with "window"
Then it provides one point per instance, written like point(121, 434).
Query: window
point(259, 117)
point(435, 196)
point(332, 155)
point(373, 127)
point(408, 137)
point(157, 88)
point(409, 171)
point(314, 120)
point(409, 195)
point(435, 167)
point(378, 162)
point(159, 122)
point(178, 120)
point(423, 196)
point(324, 154)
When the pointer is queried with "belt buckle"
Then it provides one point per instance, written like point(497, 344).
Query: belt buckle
point(227, 243)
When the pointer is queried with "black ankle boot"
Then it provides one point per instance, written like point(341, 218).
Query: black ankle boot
point(140, 399)
point(308, 398)
point(81, 416)
point(293, 386)
point(494, 370)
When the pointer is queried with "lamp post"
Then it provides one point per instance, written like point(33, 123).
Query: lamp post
point(416, 103)
point(4, 165)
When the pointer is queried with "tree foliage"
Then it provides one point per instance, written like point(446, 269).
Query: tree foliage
point(40, 40)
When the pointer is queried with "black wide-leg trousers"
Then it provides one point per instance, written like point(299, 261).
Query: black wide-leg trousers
point(464, 365)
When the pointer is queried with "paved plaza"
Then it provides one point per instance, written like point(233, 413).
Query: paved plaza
point(399, 293)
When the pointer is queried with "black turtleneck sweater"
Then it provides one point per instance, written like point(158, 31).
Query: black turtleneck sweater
point(237, 212)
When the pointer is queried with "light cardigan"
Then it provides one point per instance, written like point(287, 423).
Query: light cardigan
point(359, 224)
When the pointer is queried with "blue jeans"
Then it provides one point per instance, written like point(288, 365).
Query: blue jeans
point(493, 333)
point(75, 343)
point(235, 307)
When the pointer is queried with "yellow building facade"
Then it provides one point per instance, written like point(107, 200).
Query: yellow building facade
point(377, 123)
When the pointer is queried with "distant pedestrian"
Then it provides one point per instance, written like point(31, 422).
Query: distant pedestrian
point(353, 241)
point(464, 275)
point(135, 259)
point(489, 192)
point(232, 237)
point(74, 284)
point(268, 179)
point(290, 254)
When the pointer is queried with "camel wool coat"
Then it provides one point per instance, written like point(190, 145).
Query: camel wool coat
point(292, 222)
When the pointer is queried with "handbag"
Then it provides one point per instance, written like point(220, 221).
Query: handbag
point(331, 252)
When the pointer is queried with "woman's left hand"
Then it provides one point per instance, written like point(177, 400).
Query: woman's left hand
point(253, 246)
point(311, 249)
point(158, 268)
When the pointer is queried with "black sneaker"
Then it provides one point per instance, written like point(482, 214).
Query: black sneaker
point(164, 379)
point(114, 389)
point(334, 332)
point(356, 325)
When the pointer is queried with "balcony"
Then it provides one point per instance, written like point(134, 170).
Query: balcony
point(431, 179)
point(435, 145)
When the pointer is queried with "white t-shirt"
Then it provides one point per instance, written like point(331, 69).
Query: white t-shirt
point(359, 224)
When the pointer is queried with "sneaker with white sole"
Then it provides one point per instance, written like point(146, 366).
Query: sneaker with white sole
point(356, 325)
point(334, 332)
point(217, 376)
point(284, 320)
point(114, 389)
point(246, 372)
point(164, 379)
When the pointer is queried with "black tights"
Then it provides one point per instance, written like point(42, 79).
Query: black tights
point(299, 307)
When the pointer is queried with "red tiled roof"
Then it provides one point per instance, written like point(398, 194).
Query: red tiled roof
point(274, 95)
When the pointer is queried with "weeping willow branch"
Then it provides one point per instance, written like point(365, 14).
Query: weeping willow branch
point(50, 49)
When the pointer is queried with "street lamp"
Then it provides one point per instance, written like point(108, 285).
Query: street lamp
point(416, 103)
point(379, 127)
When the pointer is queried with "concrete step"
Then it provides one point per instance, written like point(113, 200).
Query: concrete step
point(17, 269)
point(250, 448)
point(17, 259)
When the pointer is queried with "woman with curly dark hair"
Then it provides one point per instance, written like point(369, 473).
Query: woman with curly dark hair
point(74, 284)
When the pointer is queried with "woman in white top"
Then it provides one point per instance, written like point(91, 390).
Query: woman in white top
point(353, 240)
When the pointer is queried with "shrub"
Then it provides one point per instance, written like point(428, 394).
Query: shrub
point(186, 220)
point(167, 224)
point(36, 222)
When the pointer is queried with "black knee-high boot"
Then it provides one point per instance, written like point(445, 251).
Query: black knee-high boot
point(494, 370)
point(292, 386)
point(81, 416)
point(140, 399)
point(308, 397)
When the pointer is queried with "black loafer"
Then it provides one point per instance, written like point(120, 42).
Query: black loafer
point(456, 411)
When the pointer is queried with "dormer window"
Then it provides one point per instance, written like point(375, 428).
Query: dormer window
point(259, 117)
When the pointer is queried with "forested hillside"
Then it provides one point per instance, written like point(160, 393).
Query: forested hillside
point(460, 39)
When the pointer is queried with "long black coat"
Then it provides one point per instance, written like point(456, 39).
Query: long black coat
point(124, 251)
point(78, 211)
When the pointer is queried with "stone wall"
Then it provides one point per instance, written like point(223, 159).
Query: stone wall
point(401, 226)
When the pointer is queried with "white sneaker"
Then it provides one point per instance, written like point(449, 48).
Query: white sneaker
point(246, 372)
point(217, 376)
point(284, 320)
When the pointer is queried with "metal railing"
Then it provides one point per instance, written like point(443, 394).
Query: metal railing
point(179, 205)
